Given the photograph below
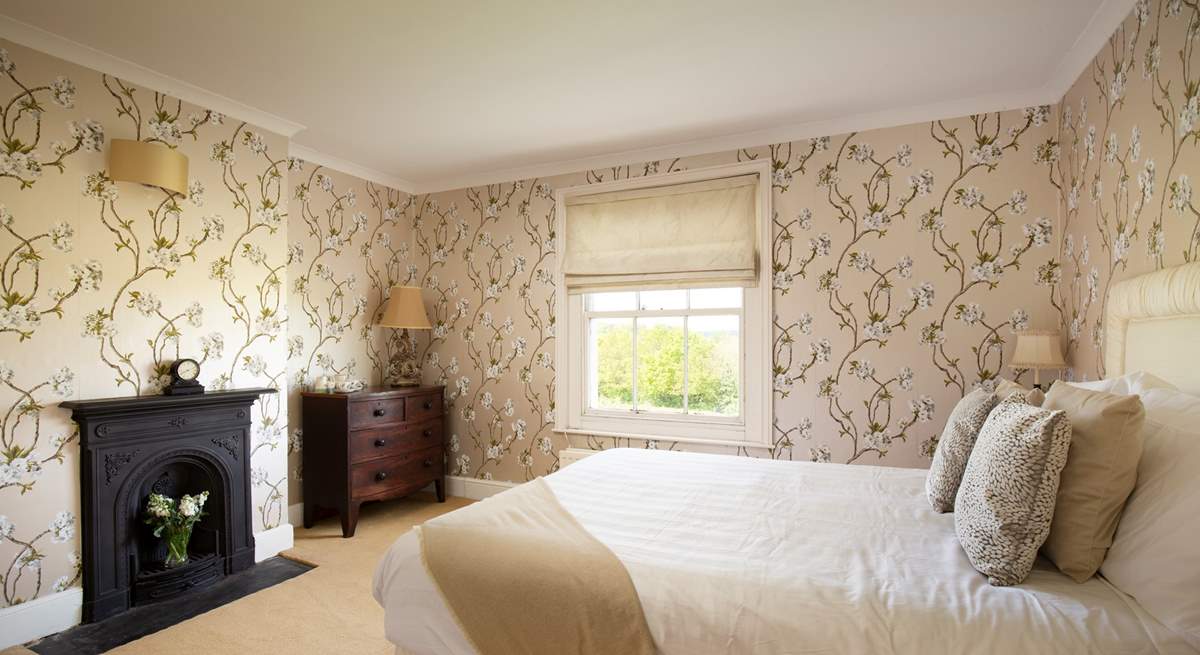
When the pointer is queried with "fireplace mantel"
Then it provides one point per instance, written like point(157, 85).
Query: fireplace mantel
point(182, 444)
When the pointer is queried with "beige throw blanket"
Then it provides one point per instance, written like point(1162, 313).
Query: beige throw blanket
point(521, 575)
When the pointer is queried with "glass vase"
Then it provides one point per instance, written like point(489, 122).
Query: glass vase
point(177, 545)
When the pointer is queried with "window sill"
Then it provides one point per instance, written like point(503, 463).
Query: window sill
point(735, 443)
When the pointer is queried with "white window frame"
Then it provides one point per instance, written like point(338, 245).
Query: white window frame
point(753, 427)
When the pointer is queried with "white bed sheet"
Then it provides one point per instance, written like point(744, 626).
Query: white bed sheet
point(741, 555)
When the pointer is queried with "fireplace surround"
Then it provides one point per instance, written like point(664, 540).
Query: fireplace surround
point(173, 445)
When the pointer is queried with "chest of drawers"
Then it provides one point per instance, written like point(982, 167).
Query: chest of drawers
point(369, 445)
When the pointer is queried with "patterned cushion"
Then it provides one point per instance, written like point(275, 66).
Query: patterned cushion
point(953, 449)
point(1006, 499)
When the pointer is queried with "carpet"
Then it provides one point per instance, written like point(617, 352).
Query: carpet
point(327, 610)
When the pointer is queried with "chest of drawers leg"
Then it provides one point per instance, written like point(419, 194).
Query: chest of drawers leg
point(371, 445)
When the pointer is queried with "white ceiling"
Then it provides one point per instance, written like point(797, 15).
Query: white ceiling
point(440, 94)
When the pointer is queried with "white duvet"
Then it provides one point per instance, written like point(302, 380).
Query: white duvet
point(742, 555)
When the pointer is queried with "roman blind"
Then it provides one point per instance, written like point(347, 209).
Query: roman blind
point(689, 234)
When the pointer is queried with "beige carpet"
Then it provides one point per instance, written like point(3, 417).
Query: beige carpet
point(326, 610)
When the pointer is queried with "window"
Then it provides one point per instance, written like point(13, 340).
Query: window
point(673, 352)
point(672, 348)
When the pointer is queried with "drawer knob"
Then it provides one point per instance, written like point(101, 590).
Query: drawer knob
point(427, 433)
point(427, 405)
point(379, 411)
point(428, 463)
point(380, 443)
point(381, 476)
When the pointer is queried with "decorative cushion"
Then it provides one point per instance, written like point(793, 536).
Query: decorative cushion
point(1154, 556)
point(1006, 500)
point(953, 449)
point(1006, 388)
point(1106, 444)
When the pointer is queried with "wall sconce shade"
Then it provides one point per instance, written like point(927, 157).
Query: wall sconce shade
point(152, 164)
point(405, 309)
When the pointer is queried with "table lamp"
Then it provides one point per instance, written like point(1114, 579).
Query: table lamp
point(404, 311)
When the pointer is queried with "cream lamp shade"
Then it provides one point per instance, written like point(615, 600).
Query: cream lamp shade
point(152, 164)
point(1037, 350)
point(405, 309)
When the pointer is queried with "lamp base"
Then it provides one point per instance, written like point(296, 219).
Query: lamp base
point(405, 382)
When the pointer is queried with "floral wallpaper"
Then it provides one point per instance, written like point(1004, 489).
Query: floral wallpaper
point(1127, 148)
point(104, 284)
point(903, 261)
point(343, 256)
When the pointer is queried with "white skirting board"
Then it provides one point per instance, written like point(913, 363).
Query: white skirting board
point(40, 617)
point(270, 543)
point(475, 488)
point(456, 485)
point(57, 612)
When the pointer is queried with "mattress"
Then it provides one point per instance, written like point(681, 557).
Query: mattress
point(742, 555)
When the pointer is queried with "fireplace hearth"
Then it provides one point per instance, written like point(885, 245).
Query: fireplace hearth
point(171, 445)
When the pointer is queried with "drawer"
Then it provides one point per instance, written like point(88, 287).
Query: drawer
point(386, 442)
point(367, 413)
point(420, 408)
point(381, 475)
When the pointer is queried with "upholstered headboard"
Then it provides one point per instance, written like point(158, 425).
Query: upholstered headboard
point(1153, 324)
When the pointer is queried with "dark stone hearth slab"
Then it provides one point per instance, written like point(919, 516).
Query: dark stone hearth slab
point(142, 620)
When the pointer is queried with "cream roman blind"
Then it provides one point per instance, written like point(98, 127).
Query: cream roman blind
point(694, 234)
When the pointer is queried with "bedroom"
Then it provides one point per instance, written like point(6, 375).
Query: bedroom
point(808, 280)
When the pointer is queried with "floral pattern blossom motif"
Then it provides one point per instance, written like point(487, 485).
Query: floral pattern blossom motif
point(116, 281)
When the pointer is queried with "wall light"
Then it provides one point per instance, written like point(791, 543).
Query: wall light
point(151, 164)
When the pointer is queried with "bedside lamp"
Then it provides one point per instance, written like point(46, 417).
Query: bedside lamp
point(1037, 350)
point(405, 311)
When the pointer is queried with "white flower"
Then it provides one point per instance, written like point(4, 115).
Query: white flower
point(922, 294)
point(904, 155)
point(62, 527)
point(62, 382)
point(1019, 321)
point(62, 91)
point(922, 182)
point(923, 408)
point(877, 220)
point(904, 268)
point(194, 314)
point(970, 313)
point(987, 154)
point(905, 378)
point(863, 261)
point(89, 133)
point(877, 330)
point(987, 271)
point(822, 350)
point(820, 454)
point(1018, 203)
point(968, 197)
point(1181, 193)
point(861, 152)
point(1039, 231)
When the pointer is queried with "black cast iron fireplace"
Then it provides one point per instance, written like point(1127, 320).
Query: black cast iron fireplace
point(173, 445)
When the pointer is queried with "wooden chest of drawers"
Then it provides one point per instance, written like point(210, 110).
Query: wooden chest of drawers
point(370, 445)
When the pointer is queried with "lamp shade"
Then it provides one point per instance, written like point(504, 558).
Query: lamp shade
point(148, 163)
point(405, 309)
point(1038, 349)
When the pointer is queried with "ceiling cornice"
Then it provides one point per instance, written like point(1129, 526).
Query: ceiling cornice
point(345, 166)
point(1103, 22)
point(50, 43)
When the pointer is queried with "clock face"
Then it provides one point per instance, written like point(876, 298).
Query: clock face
point(187, 369)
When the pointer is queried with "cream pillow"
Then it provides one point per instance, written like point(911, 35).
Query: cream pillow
point(954, 448)
point(1155, 554)
point(1106, 443)
point(1006, 388)
point(1006, 500)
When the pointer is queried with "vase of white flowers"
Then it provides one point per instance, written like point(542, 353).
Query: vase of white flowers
point(173, 522)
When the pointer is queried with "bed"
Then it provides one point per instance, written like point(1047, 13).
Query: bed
point(829, 558)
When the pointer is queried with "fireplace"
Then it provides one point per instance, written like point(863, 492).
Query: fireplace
point(172, 445)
